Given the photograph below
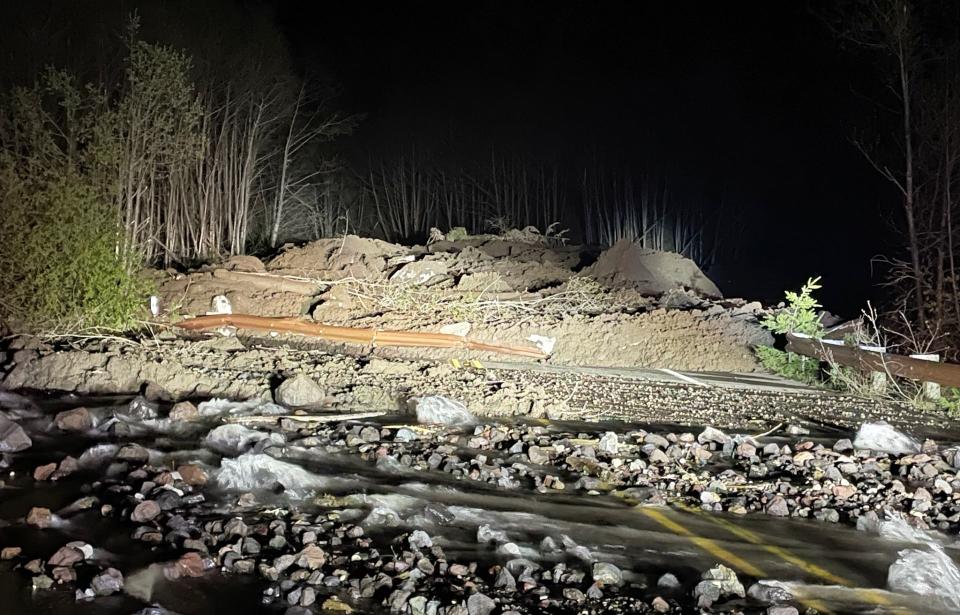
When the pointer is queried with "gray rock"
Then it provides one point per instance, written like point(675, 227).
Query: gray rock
point(505, 580)
point(139, 410)
point(300, 392)
point(13, 438)
point(480, 604)
point(108, 582)
point(782, 610)
point(608, 574)
point(711, 434)
point(668, 581)
point(420, 540)
point(778, 507)
point(609, 443)
point(145, 511)
point(706, 593)
point(768, 594)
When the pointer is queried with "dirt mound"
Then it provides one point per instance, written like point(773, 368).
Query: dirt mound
point(338, 258)
point(651, 272)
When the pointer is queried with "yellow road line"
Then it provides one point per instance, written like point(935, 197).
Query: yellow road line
point(866, 594)
point(708, 545)
point(783, 554)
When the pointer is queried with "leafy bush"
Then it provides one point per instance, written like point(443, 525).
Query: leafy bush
point(799, 316)
point(59, 266)
point(789, 365)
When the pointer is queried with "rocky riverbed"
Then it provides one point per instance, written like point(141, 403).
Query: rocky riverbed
point(124, 506)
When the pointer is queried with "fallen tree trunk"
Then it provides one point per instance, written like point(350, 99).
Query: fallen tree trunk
point(947, 374)
point(365, 336)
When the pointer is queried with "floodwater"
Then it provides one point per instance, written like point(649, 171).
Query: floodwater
point(832, 567)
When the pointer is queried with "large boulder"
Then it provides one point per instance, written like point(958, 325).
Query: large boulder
point(650, 272)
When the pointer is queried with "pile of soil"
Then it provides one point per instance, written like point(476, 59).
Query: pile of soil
point(633, 307)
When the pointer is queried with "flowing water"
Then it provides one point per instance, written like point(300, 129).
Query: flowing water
point(833, 567)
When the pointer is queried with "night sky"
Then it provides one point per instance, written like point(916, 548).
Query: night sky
point(753, 103)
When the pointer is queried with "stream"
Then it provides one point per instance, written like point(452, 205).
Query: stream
point(831, 567)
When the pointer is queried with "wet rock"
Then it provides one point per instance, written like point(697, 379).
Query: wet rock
point(192, 475)
point(777, 507)
point(660, 605)
point(78, 419)
point(10, 553)
point(768, 593)
point(140, 409)
point(63, 574)
point(311, 557)
point(420, 540)
point(133, 453)
point(44, 472)
point(335, 605)
point(40, 517)
point(607, 574)
point(184, 411)
point(42, 581)
point(107, 583)
point(235, 527)
point(609, 443)
point(67, 466)
point(190, 564)
point(300, 392)
point(480, 604)
point(145, 511)
point(66, 556)
point(505, 580)
point(717, 582)
point(782, 610)
point(711, 434)
point(13, 438)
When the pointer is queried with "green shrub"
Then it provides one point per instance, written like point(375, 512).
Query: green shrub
point(59, 264)
point(789, 365)
point(799, 316)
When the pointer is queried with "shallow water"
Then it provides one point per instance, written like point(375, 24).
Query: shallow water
point(643, 541)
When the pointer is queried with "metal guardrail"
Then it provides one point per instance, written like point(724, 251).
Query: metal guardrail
point(875, 360)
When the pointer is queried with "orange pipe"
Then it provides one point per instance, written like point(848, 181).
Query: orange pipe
point(365, 336)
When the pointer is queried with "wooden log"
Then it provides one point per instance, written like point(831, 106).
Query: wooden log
point(947, 374)
point(355, 335)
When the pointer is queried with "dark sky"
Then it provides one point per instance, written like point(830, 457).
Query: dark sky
point(751, 102)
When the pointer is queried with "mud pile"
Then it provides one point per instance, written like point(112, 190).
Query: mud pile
point(631, 308)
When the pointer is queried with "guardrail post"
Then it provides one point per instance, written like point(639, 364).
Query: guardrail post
point(878, 379)
point(931, 390)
